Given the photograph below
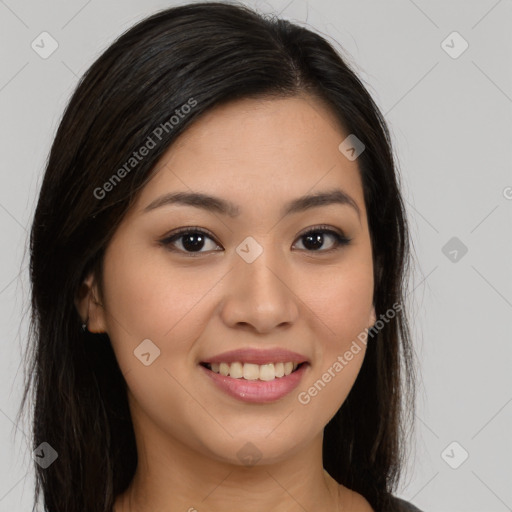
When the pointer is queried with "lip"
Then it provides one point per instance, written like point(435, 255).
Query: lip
point(258, 356)
point(256, 391)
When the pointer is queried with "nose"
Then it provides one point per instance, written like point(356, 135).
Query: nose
point(260, 296)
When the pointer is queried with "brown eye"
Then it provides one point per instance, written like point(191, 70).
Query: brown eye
point(192, 240)
point(315, 238)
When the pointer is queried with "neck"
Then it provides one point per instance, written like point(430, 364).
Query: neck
point(173, 477)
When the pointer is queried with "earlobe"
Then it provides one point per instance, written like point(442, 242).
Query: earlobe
point(373, 318)
point(89, 308)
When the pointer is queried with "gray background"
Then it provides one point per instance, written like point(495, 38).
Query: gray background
point(451, 122)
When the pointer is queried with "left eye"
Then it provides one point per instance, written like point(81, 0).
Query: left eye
point(192, 240)
point(316, 236)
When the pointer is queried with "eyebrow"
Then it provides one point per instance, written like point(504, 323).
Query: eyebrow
point(224, 207)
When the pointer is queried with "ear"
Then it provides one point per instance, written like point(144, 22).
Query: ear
point(373, 318)
point(89, 307)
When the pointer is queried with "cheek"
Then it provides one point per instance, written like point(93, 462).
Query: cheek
point(340, 302)
point(340, 299)
point(326, 391)
point(147, 291)
point(148, 298)
point(339, 351)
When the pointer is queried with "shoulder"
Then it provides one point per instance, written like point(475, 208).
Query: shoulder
point(400, 505)
point(355, 501)
point(359, 504)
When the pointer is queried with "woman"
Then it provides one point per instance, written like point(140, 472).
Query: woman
point(218, 261)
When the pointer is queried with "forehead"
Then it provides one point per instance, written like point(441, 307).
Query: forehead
point(258, 152)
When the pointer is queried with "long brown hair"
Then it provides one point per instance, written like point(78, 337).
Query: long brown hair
point(214, 53)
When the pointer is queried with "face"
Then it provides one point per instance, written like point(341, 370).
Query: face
point(249, 277)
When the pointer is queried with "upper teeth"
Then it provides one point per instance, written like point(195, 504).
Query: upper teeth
point(251, 371)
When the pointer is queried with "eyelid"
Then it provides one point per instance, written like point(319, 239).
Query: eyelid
point(323, 227)
point(188, 229)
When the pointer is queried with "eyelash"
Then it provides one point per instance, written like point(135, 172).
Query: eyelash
point(340, 239)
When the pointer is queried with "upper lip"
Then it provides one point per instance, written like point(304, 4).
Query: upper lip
point(257, 356)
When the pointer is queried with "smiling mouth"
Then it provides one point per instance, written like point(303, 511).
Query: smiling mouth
point(250, 371)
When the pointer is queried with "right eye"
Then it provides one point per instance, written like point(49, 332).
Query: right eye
point(191, 239)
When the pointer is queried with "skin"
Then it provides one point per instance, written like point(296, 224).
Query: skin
point(259, 154)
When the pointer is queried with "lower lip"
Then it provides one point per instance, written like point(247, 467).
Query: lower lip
point(257, 391)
